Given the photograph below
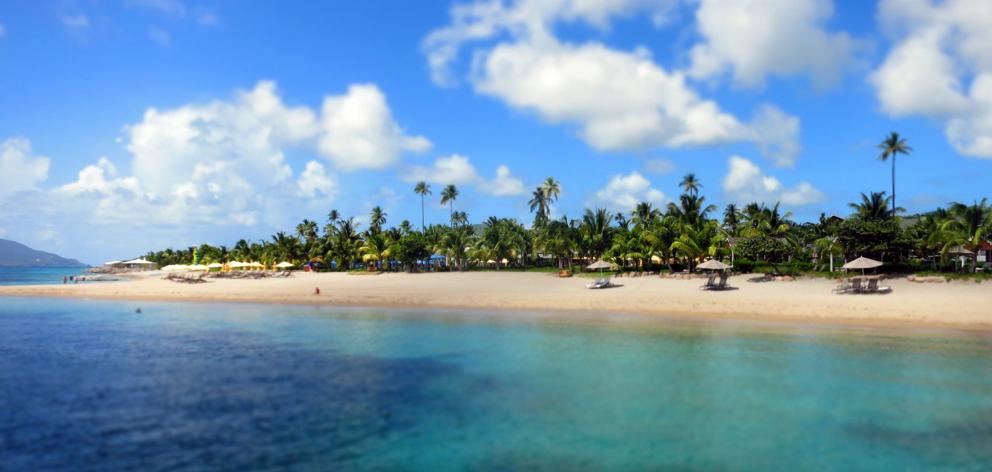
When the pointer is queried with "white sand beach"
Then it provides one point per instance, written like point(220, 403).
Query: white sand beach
point(964, 305)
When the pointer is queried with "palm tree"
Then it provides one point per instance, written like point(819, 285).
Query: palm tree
point(874, 207)
point(333, 216)
point(377, 248)
point(459, 218)
point(731, 218)
point(690, 184)
point(448, 195)
point(551, 189)
point(539, 205)
point(377, 218)
point(307, 230)
point(422, 189)
point(892, 146)
point(596, 231)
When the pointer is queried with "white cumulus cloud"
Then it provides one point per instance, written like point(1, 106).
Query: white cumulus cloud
point(624, 192)
point(940, 67)
point(20, 169)
point(754, 39)
point(745, 182)
point(359, 131)
point(458, 170)
point(618, 100)
point(314, 180)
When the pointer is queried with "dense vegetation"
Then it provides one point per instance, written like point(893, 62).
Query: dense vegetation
point(687, 231)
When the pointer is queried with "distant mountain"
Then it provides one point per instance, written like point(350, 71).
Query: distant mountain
point(14, 254)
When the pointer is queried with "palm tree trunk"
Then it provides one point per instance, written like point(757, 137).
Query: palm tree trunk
point(423, 227)
point(893, 185)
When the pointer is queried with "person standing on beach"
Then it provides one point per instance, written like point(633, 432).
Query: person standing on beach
point(64, 280)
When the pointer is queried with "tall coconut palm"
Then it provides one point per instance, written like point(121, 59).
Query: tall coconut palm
point(377, 218)
point(449, 195)
point(690, 184)
point(551, 189)
point(539, 205)
point(731, 218)
point(422, 189)
point(307, 230)
point(892, 146)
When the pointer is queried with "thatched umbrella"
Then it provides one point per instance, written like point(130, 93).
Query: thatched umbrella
point(960, 251)
point(713, 264)
point(599, 265)
point(862, 263)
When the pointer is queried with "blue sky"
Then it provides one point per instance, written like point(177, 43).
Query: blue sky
point(137, 124)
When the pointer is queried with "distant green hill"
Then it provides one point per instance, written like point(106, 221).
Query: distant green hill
point(14, 254)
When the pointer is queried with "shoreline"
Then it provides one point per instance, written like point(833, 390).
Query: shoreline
point(959, 306)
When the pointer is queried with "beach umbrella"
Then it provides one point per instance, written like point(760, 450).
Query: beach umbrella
point(862, 263)
point(284, 265)
point(215, 265)
point(599, 265)
point(713, 264)
point(236, 264)
point(175, 268)
point(198, 267)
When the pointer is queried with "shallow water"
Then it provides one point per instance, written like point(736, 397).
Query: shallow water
point(36, 275)
point(96, 386)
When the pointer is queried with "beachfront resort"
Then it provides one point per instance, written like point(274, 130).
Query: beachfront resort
point(496, 235)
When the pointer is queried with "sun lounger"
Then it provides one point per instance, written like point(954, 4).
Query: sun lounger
point(873, 287)
point(600, 283)
point(710, 282)
point(722, 285)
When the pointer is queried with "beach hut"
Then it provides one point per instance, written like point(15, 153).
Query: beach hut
point(961, 253)
point(140, 264)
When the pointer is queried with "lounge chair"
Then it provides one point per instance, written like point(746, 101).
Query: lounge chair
point(843, 288)
point(600, 283)
point(722, 285)
point(873, 287)
point(856, 286)
point(709, 282)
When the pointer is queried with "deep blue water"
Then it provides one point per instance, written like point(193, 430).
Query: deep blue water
point(88, 385)
point(36, 275)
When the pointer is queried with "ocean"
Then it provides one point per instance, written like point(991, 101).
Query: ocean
point(94, 385)
point(36, 275)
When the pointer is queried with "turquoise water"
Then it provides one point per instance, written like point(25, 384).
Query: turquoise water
point(36, 275)
point(95, 386)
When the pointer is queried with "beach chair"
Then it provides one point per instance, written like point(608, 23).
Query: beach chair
point(709, 282)
point(874, 287)
point(722, 285)
point(843, 288)
point(856, 286)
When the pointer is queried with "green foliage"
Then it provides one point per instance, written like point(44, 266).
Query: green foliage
point(769, 250)
point(677, 237)
point(878, 239)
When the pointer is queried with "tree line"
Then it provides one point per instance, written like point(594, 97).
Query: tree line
point(675, 237)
